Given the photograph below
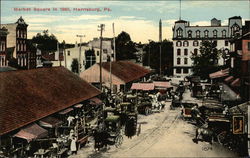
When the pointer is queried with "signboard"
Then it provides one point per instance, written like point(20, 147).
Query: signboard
point(238, 124)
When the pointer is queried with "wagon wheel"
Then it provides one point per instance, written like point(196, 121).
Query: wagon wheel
point(222, 137)
point(118, 141)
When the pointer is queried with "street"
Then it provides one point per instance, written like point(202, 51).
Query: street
point(163, 134)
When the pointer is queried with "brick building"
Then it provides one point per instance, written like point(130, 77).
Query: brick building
point(3, 45)
point(17, 38)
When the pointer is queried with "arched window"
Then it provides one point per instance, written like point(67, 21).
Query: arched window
point(206, 33)
point(235, 28)
point(223, 33)
point(178, 51)
point(198, 34)
point(189, 34)
point(179, 32)
point(178, 61)
point(178, 43)
point(185, 51)
point(195, 51)
point(185, 43)
point(195, 43)
point(185, 61)
point(215, 33)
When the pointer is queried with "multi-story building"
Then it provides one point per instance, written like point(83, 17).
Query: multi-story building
point(107, 50)
point(72, 54)
point(3, 45)
point(17, 38)
point(187, 40)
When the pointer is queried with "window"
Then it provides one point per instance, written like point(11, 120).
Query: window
point(215, 42)
point(178, 70)
point(97, 53)
point(189, 34)
point(196, 43)
point(224, 33)
point(17, 34)
point(2, 46)
point(178, 43)
point(105, 51)
point(185, 70)
point(234, 29)
point(226, 43)
point(206, 33)
point(185, 61)
point(179, 32)
point(185, 43)
point(195, 51)
point(198, 34)
point(68, 53)
point(178, 51)
point(178, 61)
point(248, 46)
point(185, 51)
point(215, 33)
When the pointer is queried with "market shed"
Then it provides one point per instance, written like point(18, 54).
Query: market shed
point(27, 96)
point(123, 74)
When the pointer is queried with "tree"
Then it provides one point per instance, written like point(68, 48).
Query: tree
point(152, 56)
point(74, 66)
point(207, 61)
point(46, 43)
point(125, 48)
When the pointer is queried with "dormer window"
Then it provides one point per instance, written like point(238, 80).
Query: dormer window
point(198, 34)
point(224, 33)
point(189, 34)
point(206, 33)
point(215, 33)
point(235, 28)
point(179, 32)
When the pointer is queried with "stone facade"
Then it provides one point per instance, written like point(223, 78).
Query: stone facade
point(3, 46)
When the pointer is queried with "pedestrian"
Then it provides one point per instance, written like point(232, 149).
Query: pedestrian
point(73, 145)
point(70, 119)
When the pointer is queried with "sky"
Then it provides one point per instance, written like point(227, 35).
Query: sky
point(138, 18)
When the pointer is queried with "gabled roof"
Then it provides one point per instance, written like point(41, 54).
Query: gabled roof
point(29, 95)
point(126, 70)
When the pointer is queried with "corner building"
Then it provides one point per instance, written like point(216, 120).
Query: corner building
point(187, 41)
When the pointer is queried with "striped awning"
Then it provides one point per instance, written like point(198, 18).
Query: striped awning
point(218, 74)
point(66, 111)
point(32, 132)
point(143, 86)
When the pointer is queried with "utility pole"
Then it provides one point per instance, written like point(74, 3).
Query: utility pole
point(160, 40)
point(114, 41)
point(101, 30)
point(80, 51)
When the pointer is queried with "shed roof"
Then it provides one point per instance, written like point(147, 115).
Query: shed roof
point(29, 95)
point(126, 70)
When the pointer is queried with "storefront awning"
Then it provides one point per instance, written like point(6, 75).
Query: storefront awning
point(162, 84)
point(50, 122)
point(235, 83)
point(142, 86)
point(78, 105)
point(66, 111)
point(32, 132)
point(229, 79)
point(218, 74)
point(95, 101)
